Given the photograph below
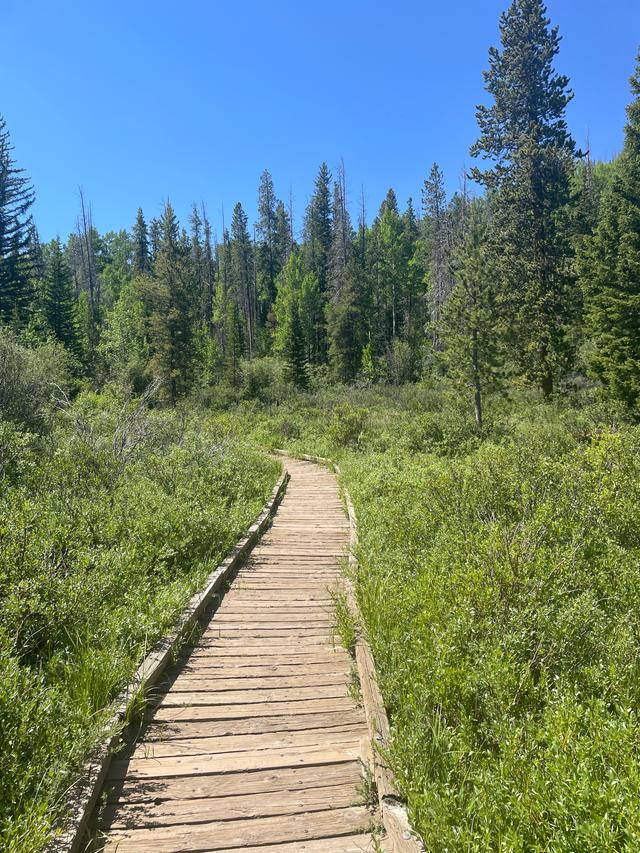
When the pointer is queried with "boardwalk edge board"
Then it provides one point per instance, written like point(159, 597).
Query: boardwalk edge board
point(394, 812)
point(84, 793)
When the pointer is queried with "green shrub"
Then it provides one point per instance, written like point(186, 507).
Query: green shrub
point(105, 532)
point(263, 379)
point(31, 380)
point(501, 592)
point(499, 584)
point(347, 426)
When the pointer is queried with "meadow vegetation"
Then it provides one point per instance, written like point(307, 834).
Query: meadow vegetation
point(111, 516)
point(499, 583)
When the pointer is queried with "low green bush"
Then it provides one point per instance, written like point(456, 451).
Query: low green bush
point(499, 585)
point(105, 531)
point(501, 592)
point(264, 379)
point(31, 380)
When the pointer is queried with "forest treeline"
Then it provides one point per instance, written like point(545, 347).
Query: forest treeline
point(535, 279)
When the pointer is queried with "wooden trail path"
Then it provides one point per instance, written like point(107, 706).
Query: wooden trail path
point(255, 743)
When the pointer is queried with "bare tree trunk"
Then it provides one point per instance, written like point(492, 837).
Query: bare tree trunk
point(477, 385)
point(210, 271)
point(85, 237)
point(254, 260)
point(225, 287)
point(363, 225)
point(546, 383)
point(393, 308)
point(290, 222)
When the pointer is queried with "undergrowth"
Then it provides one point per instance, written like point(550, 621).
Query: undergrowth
point(499, 583)
point(109, 521)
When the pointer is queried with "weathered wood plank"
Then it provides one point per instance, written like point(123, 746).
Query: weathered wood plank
point(206, 680)
point(269, 652)
point(241, 743)
point(303, 642)
point(240, 833)
point(252, 666)
point(202, 765)
point(258, 695)
point(235, 784)
point(344, 844)
point(163, 730)
point(261, 666)
point(206, 809)
point(239, 712)
point(273, 622)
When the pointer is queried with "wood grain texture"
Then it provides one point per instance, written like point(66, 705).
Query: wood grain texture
point(254, 741)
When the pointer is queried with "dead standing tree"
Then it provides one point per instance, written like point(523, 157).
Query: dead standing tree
point(89, 278)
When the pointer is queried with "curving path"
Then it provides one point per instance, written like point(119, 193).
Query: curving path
point(255, 743)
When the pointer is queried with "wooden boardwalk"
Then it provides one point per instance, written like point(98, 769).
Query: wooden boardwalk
point(256, 743)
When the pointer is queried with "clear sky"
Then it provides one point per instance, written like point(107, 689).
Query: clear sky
point(140, 100)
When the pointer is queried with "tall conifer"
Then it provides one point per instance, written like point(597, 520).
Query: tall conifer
point(317, 248)
point(611, 271)
point(267, 260)
point(525, 134)
point(469, 325)
point(241, 279)
point(140, 245)
point(16, 199)
point(59, 301)
point(172, 298)
point(341, 238)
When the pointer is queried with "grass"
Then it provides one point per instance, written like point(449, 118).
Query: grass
point(102, 542)
point(346, 627)
point(499, 583)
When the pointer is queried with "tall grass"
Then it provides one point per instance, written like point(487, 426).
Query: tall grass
point(107, 526)
point(500, 588)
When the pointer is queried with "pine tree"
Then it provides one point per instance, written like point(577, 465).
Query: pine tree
point(198, 258)
point(344, 322)
point(349, 319)
point(209, 272)
point(234, 342)
point(141, 263)
point(469, 324)
point(59, 301)
point(317, 248)
point(293, 350)
point(436, 246)
point(377, 314)
point(298, 298)
point(610, 271)
point(268, 261)
point(36, 255)
point(525, 133)
point(341, 239)
point(414, 297)
point(392, 265)
point(283, 237)
point(317, 228)
point(241, 277)
point(154, 239)
point(171, 300)
point(16, 199)
point(223, 296)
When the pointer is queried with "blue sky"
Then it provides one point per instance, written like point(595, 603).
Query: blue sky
point(142, 100)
